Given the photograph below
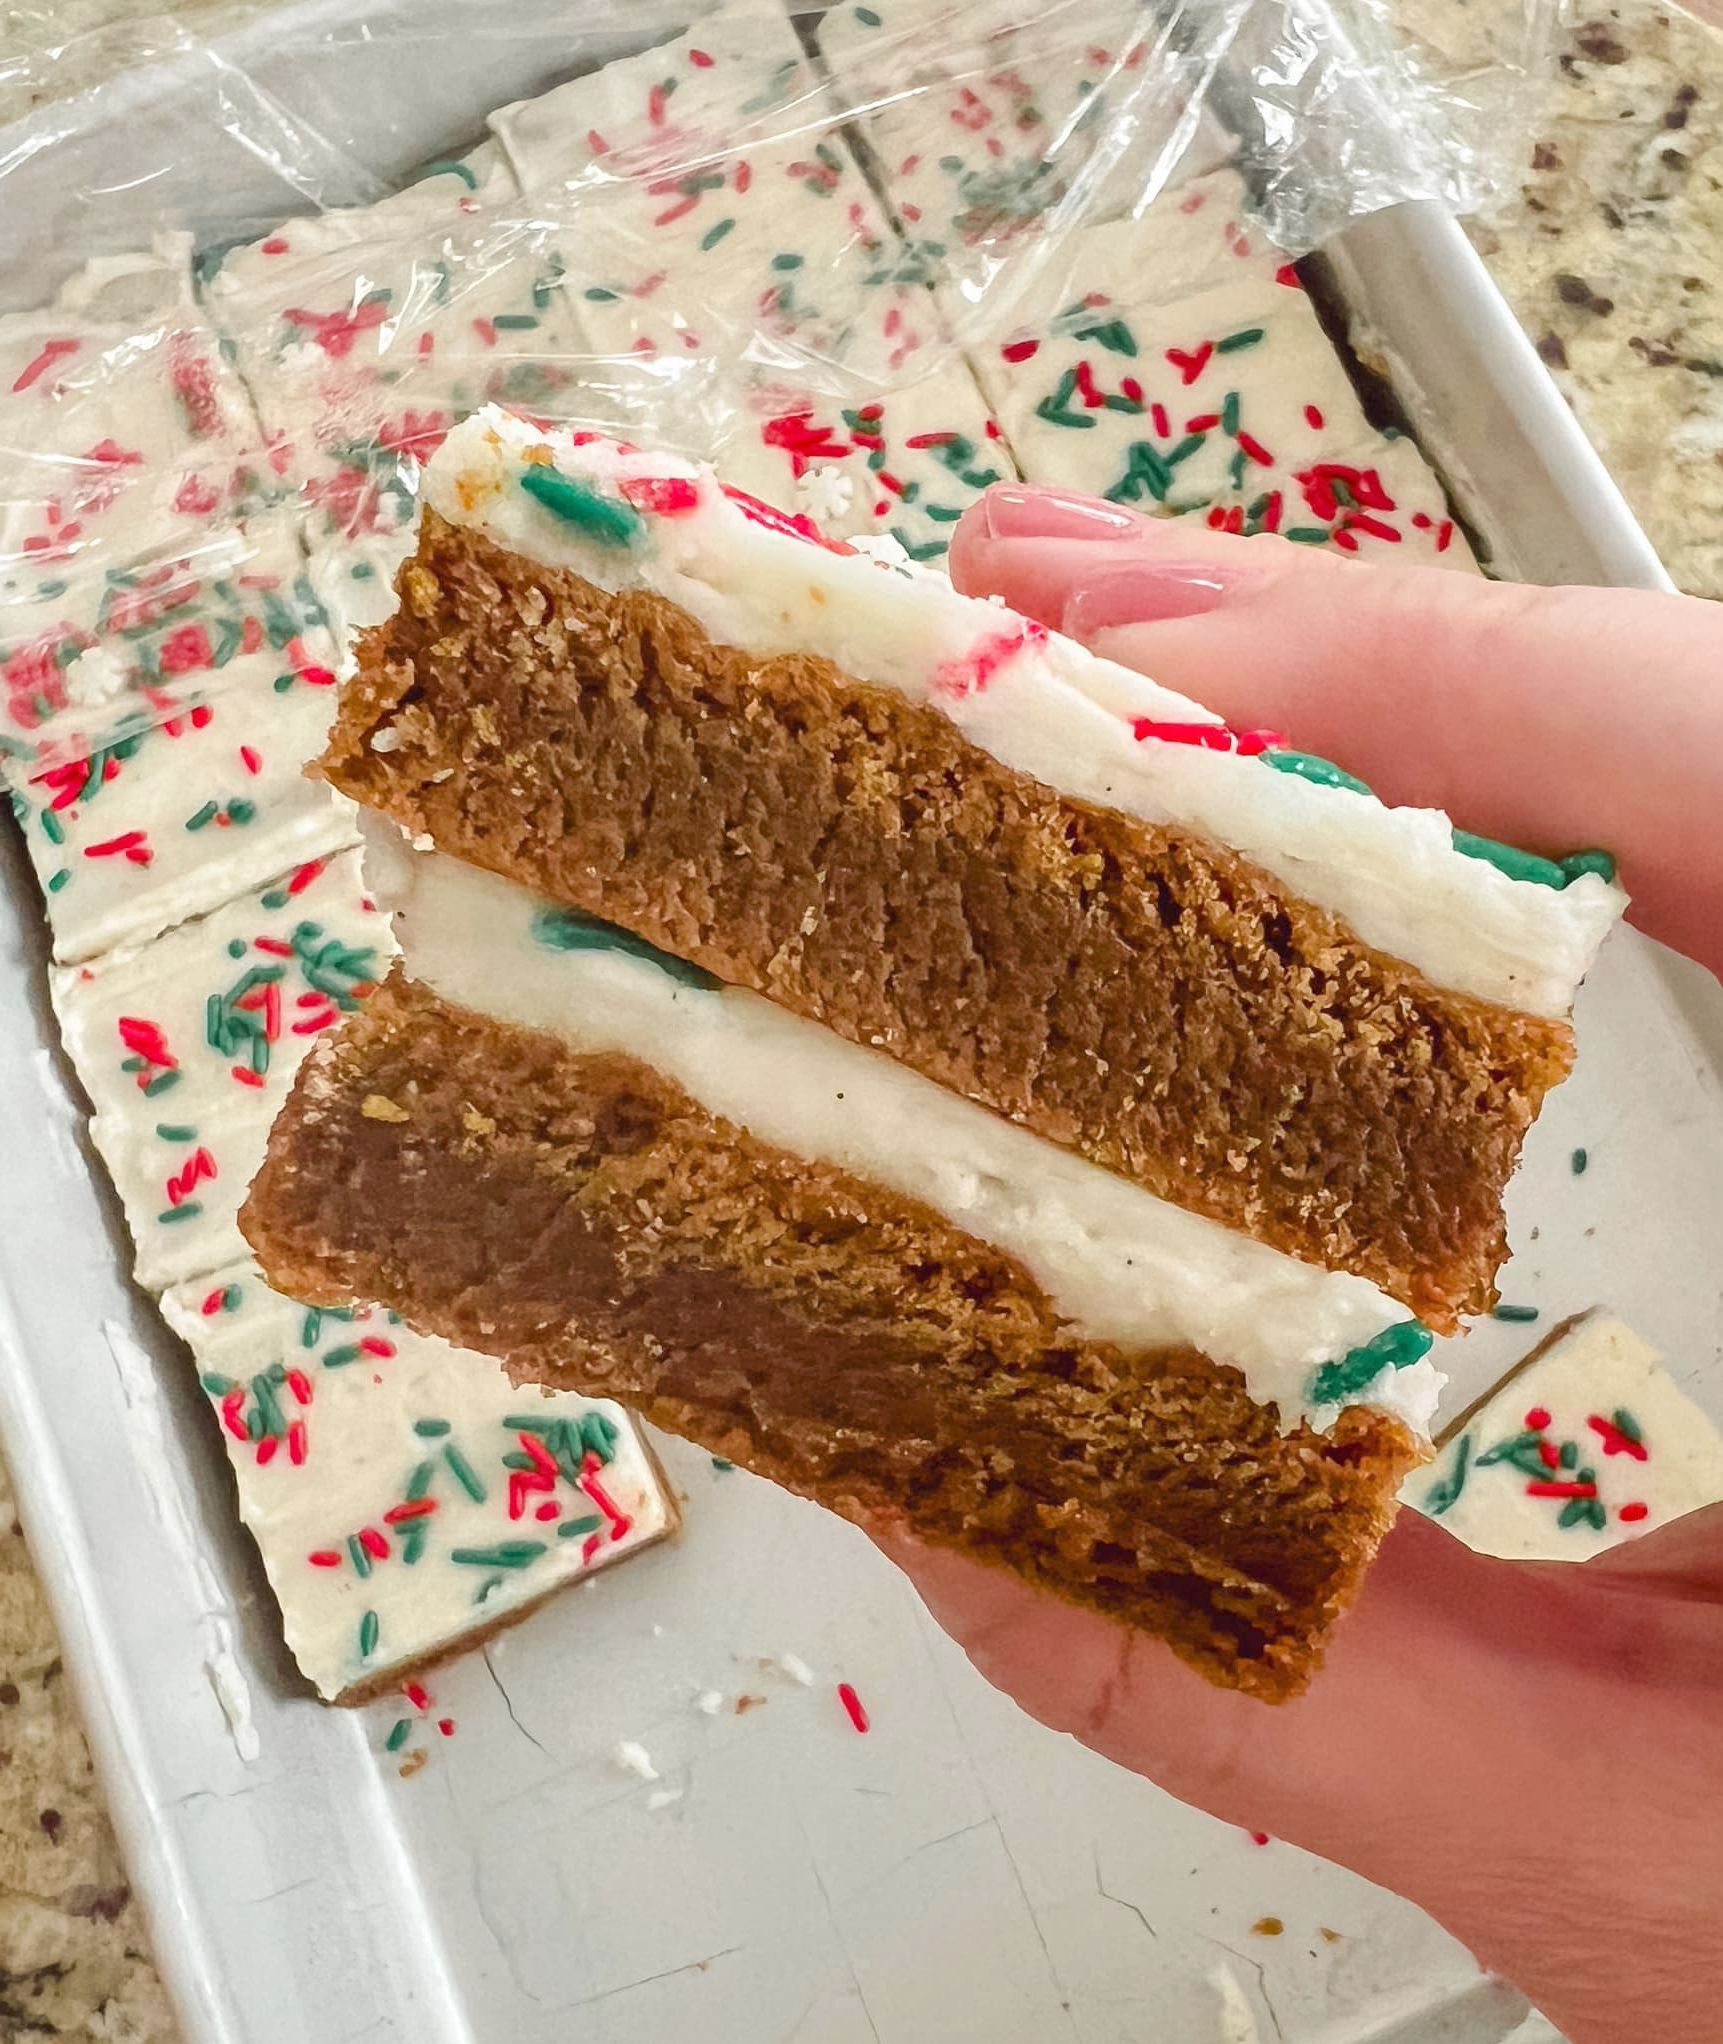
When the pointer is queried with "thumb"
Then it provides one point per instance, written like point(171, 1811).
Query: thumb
point(1556, 719)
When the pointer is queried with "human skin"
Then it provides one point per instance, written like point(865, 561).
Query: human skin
point(1531, 1751)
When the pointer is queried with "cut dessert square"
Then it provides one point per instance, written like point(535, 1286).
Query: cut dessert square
point(180, 812)
point(406, 1498)
point(187, 1046)
point(1585, 1443)
point(123, 427)
point(88, 667)
point(365, 333)
point(1120, 1086)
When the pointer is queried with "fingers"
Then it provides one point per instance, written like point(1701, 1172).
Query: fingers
point(1556, 719)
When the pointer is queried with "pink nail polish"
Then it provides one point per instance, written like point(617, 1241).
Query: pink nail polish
point(1016, 511)
point(1141, 593)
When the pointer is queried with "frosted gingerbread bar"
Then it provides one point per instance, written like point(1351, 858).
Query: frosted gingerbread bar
point(940, 1069)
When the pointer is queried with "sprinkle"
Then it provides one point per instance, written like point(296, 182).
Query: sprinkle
point(464, 1473)
point(1443, 1495)
point(1308, 767)
point(1634, 1512)
point(572, 1529)
point(1395, 1347)
point(1515, 1313)
point(854, 1709)
point(447, 1727)
point(1577, 1163)
point(416, 1695)
point(1509, 859)
point(1537, 1489)
point(633, 1758)
point(1620, 1434)
point(370, 1627)
point(324, 1557)
point(1213, 737)
point(603, 519)
point(1576, 864)
point(510, 1554)
point(399, 1733)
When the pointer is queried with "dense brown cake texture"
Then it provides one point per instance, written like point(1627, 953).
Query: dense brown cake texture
point(1135, 993)
point(584, 1219)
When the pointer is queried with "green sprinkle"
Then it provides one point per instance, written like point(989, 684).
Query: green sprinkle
point(1246, 337)
point(189, 1211)
point(277, 897)
point(207, 814)
point(370, 1629)
point(215, 1384)
point(419, 1483)
point(52, 828)
point(464, 1473)
point(867, 17)
point(162, 1081)
point(787, 261)
point(570, 1528)
point(58, 880)
point(1395, 1347)
point(1517, 1313)
point(236, 947)
point(241, 811)
point(1522, 1451)
point(515, 322)
point(715, 234)
point(363, 571)
point(1308, 767)
point(1112, 334)
point(1509, 859)
point(430, 1429)
point(399, 1733)
point(1625, 1423)
point(566, 929)
point(1229, 413)
point(176, 1131)
point(600, 294)
point(339, 1358)
point(452, 167)
point(356, 1554)
point(605, 519)
point(506, 1554)
point(1578, 863)
point(1577, 1163)
point(722, 1464)
point(1306, 535)
point(1443, 1496)
point(232, 1298)
point(1568, 1455)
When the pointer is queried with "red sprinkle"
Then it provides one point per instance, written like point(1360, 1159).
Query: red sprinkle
point(447, 1727)
point(1634, 1512)
point(1190, 362)
point(1019, 351)
point(304, 876)
point(667, 496)
point(373, 1543)
point(296, 1443)
point(1212, 737)
point(854, 1709)
point(324, 1558)
point(1534, 1489)
point(51, 354)
point(246, 1076)
point(414, 1508)
point(1538, 1417)
point(415, 1695)
point(1615, 1442)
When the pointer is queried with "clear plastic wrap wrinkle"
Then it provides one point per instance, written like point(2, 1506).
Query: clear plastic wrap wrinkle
point(810, 245)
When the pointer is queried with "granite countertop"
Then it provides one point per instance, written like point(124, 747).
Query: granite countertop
point(1611, 253)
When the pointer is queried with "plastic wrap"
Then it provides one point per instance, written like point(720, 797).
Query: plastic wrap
point(866, 258)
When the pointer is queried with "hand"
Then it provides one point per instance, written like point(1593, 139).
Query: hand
point(1533, 1752)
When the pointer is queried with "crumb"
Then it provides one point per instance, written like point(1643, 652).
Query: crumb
point(1267, 1927)
point(796, 1668)
point(661, 1799)
point(633, 1758)
point(1329, 1937)
point(747, 1703)
point(709, 1702)
point(412, 1763)
point(379, 1107)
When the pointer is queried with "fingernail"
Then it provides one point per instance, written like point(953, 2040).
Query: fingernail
point(1015, 512)
point(1142, 593)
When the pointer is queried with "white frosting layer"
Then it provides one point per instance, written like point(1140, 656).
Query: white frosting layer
point(1040, 703)
point(1118, 1263)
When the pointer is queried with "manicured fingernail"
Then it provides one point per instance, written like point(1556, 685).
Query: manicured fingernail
point(1142, 593)
point(1015, 512)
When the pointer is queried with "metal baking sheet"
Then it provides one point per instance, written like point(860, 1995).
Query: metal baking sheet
point(956, 1874)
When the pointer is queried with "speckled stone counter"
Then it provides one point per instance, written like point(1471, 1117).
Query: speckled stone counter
point(1612, 255)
